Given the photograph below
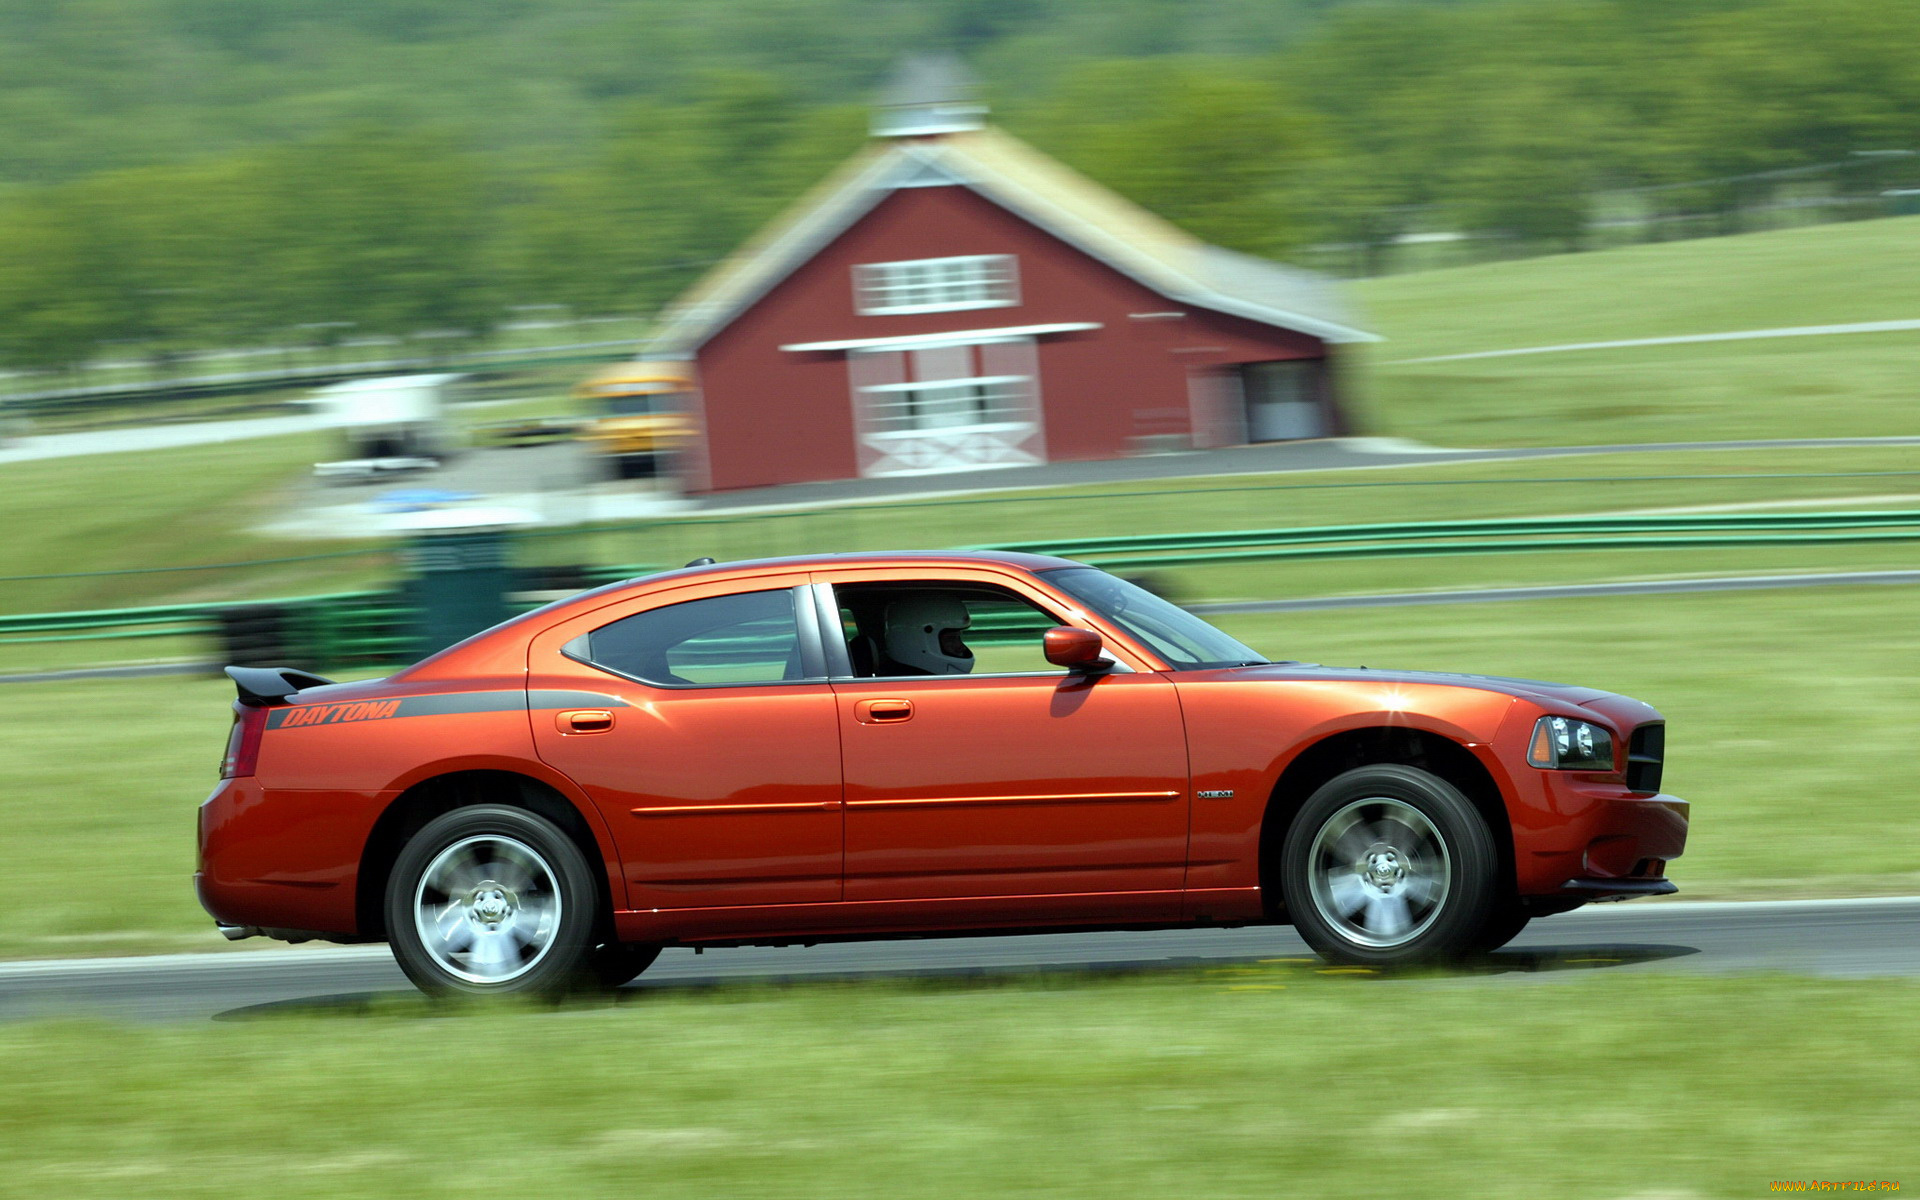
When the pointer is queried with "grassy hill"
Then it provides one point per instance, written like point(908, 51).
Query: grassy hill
point(169, 509)
point(1831, 386)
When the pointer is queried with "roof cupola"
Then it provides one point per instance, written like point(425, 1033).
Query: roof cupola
point(929, 94)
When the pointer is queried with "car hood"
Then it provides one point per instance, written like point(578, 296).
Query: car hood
point(1529, 689)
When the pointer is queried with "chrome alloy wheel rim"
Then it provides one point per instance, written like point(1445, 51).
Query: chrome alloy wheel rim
point(487, 908)
point(1379, 872)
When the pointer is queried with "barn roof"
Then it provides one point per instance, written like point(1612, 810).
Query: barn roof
point(1017, 177)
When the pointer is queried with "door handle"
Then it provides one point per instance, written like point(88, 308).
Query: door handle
point(584, 720)
point(876, 712)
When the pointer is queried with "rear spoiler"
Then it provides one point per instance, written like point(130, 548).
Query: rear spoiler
point(264, 686)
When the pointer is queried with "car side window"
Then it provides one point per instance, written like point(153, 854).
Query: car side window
point(750, 637)
point(907, 629)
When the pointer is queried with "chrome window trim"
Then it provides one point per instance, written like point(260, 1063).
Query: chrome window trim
point(837, 662)
point(840, 666)
point(813, 655)
point(813, 658)
point(1118, 668)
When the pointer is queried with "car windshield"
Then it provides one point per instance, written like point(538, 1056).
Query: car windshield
point(1184, 640)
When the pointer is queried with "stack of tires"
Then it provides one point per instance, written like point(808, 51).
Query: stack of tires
point(256, 635)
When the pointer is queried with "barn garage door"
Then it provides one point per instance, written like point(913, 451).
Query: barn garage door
point(947, 407)
point(1283, 400)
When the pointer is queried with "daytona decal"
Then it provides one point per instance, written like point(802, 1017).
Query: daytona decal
point(301, 716)
point(332, 714)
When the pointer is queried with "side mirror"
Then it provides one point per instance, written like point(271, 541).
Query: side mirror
point(1077, 650)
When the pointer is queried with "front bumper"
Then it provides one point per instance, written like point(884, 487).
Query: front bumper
point(1581, 840)
point(1589, 890)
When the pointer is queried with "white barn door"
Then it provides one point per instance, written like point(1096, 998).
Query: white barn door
point(947, 407)
point(1283, 400)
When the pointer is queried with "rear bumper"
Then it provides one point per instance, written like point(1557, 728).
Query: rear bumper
point(279, 865)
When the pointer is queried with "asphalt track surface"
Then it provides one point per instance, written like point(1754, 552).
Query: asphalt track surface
point(1262, 458)
point(1832, 938)
point(1736, 335)
point(1567, 591)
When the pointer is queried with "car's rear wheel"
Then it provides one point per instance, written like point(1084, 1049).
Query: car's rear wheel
point(491, 901)
point(1390, 865)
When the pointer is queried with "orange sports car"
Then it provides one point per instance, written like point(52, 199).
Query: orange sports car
point(878, 745)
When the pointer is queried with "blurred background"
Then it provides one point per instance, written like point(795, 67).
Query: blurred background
point(330, 332)
point(187, 176)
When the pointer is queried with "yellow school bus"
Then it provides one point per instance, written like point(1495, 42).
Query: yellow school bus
point(638, 415)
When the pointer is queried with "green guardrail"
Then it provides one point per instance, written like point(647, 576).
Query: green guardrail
point(335, 629)
point(377, 627)
point(168, 614)
point(1509, 546)
point(1404, 531)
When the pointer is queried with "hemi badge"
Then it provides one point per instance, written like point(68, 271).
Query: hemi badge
point(1217, 794)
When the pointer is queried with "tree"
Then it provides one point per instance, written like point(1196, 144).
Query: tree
point(675, 190)
point(51, 315)
point(371, 226)
point(1219, 152)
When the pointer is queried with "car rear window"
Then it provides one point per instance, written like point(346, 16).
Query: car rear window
point(749, 637)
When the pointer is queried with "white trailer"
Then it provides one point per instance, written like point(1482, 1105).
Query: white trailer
point(390, 425)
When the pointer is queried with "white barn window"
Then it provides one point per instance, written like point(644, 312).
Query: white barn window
point(936, 284)
point(947, 403)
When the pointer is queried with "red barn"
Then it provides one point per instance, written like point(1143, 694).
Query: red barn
point(951, 299)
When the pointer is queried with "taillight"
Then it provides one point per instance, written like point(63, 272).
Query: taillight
point(243, 743)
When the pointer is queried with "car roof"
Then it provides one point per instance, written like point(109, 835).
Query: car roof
point(862, 558)
point(481, 653)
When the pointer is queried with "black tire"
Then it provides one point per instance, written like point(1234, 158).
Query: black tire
point(1503, 926)
point(493, 862)
point(616, 964)
point(1387, 866)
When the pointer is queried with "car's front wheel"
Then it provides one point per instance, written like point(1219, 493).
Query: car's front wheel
point(1390, 865)
point(489, 901)
point(617, 964)
point(1503, 926)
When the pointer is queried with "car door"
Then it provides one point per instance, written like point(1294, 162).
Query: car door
point(711, 750)
point(1012, 779)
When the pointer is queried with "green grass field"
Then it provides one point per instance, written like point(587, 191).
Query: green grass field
point(162, 508)
point(1249, 1081)
point(1782, 704)
point(1833, 386)
point(1274, 1078)
point(197, 505)
point(1814, 275)
point(201, 504)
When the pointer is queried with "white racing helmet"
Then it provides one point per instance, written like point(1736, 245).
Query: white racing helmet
point(923, 632)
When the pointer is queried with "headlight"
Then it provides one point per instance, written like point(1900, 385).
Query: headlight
point(1566, 744)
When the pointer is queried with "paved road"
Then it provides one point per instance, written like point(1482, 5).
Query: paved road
point(1562, 591)
point(1327, 454)
point(1736, 335)
point(1840, 938)
point(154, 437)
point(1316, 455)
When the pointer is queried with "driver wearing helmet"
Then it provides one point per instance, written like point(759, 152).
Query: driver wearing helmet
point(922, 636)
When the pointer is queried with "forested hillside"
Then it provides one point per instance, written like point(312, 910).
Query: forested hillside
point(178, 173)
point(92, 84)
